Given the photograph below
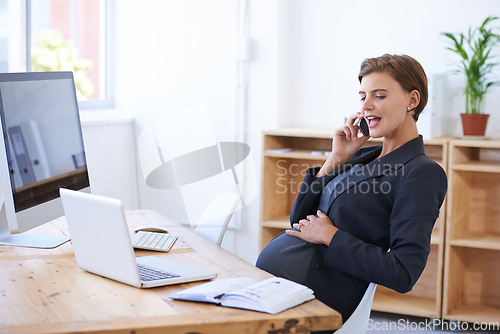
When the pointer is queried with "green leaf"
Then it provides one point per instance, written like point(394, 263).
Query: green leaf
point(476, 61)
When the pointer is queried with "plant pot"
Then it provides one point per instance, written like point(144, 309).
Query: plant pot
point(474, 124)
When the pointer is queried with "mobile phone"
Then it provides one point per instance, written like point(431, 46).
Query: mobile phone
point(363, 126)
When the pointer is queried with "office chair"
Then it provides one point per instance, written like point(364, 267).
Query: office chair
point(216, 216)
point(358, 321)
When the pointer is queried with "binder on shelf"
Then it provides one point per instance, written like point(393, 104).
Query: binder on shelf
point(79, 160)
point(15, 175)
point(21, 155)
point(36, 150)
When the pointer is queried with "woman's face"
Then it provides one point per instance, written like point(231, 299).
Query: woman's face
point(384, 104)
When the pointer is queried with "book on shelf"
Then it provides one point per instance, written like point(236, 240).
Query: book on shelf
point(272, 295)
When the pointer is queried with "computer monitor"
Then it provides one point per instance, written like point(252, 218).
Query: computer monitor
point(41, 150)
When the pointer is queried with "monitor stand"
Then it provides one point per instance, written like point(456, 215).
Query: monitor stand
point(25, 239)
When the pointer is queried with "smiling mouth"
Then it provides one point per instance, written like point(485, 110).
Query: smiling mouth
point(372, 121)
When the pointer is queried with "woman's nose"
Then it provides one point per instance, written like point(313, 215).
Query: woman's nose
point(367, 104)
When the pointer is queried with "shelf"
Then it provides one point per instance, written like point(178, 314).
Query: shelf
point(48, 189)
point(477, 240)
point(473, 209)
point(471, 284)
point(478, 166)
point(296, 154)
point(301, 132)
point(394, 302)
point(475, 313)
point(476, 156)
point(489, 143)
point(282, 222)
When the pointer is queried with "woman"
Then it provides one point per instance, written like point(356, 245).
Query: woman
point(367, 214)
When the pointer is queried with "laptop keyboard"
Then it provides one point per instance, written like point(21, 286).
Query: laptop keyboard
point(150, 274)
point(157, 241)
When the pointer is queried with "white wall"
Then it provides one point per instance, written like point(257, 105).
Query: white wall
point(171, 55)
point(328, 40)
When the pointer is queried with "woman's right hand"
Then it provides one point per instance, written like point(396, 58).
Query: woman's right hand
point(345, 143)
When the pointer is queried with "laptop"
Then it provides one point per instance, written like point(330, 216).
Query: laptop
point(103, 246)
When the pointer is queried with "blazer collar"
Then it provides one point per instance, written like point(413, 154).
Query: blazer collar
point(385, 165)
point(394, 159)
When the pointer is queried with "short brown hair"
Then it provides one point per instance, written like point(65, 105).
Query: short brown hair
point(405, 70)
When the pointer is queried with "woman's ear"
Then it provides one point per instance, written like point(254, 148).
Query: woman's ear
point(413, 99)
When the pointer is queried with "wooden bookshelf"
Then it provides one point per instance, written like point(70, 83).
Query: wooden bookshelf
point(287, 153)
point(472, 253)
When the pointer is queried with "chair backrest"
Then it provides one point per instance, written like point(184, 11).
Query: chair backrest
point(358, 321)
point(216, 216)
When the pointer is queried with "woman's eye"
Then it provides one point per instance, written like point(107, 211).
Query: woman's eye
point(362, 98)
point(380, 97)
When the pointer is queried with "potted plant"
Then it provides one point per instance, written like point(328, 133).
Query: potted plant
point(476, 64)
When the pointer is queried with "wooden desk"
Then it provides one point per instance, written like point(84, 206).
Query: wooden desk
point(44, 291)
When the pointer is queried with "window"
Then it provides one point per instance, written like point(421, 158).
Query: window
point(59, 35)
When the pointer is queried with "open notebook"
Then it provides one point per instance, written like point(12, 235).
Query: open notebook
point(103, 246)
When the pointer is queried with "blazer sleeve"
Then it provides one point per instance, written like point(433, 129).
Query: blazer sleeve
point(415, 210)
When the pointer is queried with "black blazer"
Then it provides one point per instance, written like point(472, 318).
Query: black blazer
point(385, 213)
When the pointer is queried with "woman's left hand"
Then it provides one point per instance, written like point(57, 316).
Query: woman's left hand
point(316, 229)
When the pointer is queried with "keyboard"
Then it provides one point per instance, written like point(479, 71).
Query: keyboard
point(157, 241)
point(147, 274)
